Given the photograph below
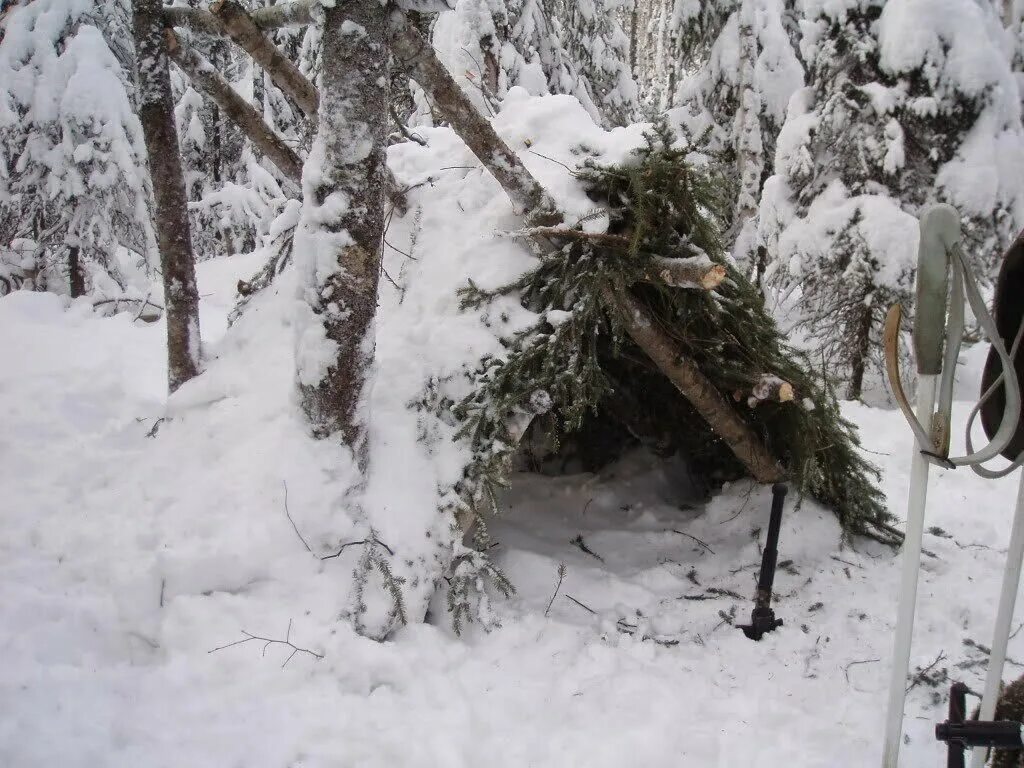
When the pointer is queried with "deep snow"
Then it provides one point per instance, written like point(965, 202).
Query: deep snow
point(126, 559)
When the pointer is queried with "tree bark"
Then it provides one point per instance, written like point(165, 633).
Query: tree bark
point(415, 55)
point(76, 279)
point(237, 109)
point(156, 113)
point(241, 28)
point(343, 222)
point(695, 387)
point(861, 351)
point(290, 14)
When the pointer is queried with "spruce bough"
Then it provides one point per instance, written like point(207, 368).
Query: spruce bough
point(577, 366)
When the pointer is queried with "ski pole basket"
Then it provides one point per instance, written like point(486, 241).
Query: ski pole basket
point(960, 733)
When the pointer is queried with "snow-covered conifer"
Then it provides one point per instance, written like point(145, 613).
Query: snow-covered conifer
point(74, 186)
point(907, 102)
point(544, 46)
point(736, 100)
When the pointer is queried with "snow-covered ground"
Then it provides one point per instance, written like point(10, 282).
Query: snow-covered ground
point(126, 559)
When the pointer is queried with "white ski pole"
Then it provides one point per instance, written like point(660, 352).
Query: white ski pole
point(1004, 617)
point(940, 229)
point(911, 563)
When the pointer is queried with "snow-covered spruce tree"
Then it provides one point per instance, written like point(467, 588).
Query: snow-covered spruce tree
point(212, 151)
point(73, 187)
point(177, 262)
point(669, 39)
point(545, 46)
point(908, 102)
point(338, 250)
point(736, 100)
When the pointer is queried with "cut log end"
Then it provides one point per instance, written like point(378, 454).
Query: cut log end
point(714, 278)
point(773, 388)
point(695, 272)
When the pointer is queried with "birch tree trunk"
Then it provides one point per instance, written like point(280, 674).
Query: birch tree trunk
point(177, 262)
point(749, 144)
point(343, 223)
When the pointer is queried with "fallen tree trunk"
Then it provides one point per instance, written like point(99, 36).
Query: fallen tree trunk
point(237, 109)
point(695, 387)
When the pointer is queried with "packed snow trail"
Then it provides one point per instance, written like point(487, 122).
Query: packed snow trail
point(127, 559)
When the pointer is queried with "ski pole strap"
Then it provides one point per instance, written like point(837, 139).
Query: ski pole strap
point(938, 331)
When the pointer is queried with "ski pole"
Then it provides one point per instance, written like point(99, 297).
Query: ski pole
point(762, 618)
point(940, 229)
point(919, 466)
point(1004, 617)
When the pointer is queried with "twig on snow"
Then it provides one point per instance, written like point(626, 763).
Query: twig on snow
point(921, 676)
point(558, 586)
point(371, 540)
point(689, 536)
point(846, 669)
point(586, 608)
point(289, 516)
point(579, 542)
point(267, 642)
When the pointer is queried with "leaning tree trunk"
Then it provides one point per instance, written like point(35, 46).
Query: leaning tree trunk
point(343, 222)
point(156, 112)
point(207, 80)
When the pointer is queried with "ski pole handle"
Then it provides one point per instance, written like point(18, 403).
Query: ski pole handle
point(940, 231)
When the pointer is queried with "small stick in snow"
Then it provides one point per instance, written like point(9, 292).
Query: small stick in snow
point(371, 540)
point(922, 674)
point(846, 562)
point(267, 642)
point(586, 608)
point(988, 651)
point(558, 586)
point(689, 536)
point(726, 618)
point(579, 542)
point(289, 516)
point(404, 130)
point(846, 669)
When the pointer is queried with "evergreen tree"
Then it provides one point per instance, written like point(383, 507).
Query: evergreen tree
point(546, 46)
point(669, 39)
point(232, 195)
point(73, 191)
point(907, 103)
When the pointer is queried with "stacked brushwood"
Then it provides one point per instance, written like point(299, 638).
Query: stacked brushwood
point(623, 314)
